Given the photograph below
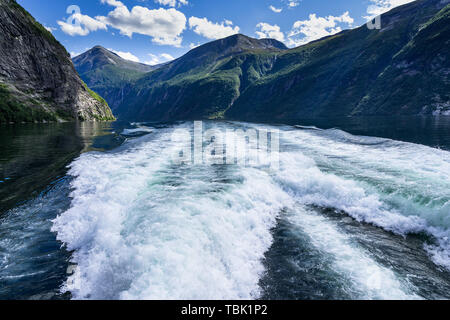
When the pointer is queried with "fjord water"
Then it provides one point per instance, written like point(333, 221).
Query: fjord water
point(344, 217)
point(34, 189)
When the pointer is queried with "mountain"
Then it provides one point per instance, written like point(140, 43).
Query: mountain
point(418, 78)
point(107, 73)
point(401, 69)
point(203, 83)
point(99, 58)
point(38, 81)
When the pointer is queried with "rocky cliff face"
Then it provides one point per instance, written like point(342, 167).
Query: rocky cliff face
point(38, 81)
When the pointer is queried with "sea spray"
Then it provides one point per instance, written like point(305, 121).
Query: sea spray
point(144, 227)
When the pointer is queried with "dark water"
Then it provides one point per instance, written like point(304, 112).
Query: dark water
point(429, 131)
point(35, 188)
point(34, 155)
point(298, 270)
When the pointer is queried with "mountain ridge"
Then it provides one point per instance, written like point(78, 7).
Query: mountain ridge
point(339, 74)
point(352, 73)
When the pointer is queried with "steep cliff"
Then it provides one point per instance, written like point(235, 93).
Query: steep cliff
point(38, 81)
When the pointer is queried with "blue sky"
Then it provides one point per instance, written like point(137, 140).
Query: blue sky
point(154, 31)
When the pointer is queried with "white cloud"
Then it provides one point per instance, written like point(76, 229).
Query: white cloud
point(154, 60)
point(167, 56)
point(172, 3)
point(125, 55)
point(212, 30)
point(381, 6)
point(317, 27)
point(158, 59)
point(50, 29)
point(82, 25)
point(293, 3)
point(113, 3)
point(74, 54)
point(194, 45)
point(164, 26)
point(276, 10)
point(269, 31)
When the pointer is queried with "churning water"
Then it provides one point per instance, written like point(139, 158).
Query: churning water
point(343, 217)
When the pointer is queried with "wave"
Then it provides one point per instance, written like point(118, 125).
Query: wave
point(401, 187)
point(307, 127)
point(367, 278)
point(340, 135)
point(136, 131)
point(32, 263)
point(143, 228)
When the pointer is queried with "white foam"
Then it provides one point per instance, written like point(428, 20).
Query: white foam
point(142, 229)
point(135, 131)
point(399, 186)
point(372, 280)
point(303, 180)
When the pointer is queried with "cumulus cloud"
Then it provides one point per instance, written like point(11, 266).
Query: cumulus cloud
point(317, 27)
point(158, 59)
point(50, 29)
point(164, 26)
point(167, 56)
point(212, 30)
point(266, 30)
point(113, 3)
point(194, 45)
point(81, 25)
point(276, 10)
point(378, 7)
point(293, 3)
point(125, 55)
point(172, 3)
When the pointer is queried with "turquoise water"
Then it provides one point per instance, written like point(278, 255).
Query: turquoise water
point(344, 216)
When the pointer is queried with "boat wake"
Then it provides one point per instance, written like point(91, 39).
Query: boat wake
point(142, 227)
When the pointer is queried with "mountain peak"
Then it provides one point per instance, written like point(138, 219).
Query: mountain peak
point(232, 45)
point(99, 57)
point(100, 50)
point(246, 41)
point(239, 43)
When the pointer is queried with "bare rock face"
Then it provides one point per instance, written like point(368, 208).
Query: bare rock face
point(37, 78)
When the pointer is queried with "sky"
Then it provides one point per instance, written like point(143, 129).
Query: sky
point(156, 31)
